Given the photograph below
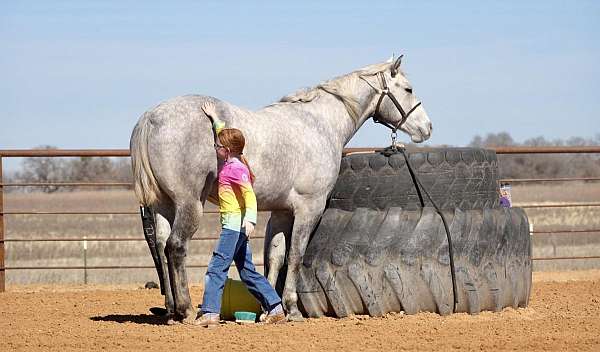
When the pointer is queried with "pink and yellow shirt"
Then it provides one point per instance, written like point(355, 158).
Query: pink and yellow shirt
point(237, 201)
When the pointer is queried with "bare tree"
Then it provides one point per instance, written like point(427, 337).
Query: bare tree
point(501, 139)
point(122, 170)
point(88, 169)
point(531, 166)
point(42, 170)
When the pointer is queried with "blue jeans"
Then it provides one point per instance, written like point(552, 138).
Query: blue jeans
point(234, 246)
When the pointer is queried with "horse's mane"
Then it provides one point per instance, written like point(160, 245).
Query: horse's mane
point(341, 87)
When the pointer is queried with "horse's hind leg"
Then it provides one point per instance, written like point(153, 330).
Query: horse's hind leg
point(278, 232)
point(163, 230)
point(149, 227)
point(156, 231)
point(187, 216)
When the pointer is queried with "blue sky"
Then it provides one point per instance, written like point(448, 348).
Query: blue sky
point(78, 74)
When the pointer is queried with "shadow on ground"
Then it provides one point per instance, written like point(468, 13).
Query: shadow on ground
point(131, 318)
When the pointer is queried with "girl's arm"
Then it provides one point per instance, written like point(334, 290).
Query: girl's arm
point(242, 180)
point(210, 110)
point(249, 202)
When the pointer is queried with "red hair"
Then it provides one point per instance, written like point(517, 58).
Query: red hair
point(233, 139)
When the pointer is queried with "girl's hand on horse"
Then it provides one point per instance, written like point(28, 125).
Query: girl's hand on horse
point(209, 109)
point(249, 228)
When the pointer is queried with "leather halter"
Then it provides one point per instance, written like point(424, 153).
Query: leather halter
point(386, 92)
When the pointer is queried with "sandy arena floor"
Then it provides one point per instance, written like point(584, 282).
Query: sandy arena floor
point(564, 315)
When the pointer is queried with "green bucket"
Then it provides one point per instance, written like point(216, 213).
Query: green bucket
point(237, 298)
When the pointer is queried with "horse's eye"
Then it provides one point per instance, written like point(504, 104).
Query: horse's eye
point(408, 90)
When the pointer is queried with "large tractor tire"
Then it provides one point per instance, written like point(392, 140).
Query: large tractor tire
point(370, 261)
point(464, 178)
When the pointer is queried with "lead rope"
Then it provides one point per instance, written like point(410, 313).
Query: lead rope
point(394, 149)
point(418, 186)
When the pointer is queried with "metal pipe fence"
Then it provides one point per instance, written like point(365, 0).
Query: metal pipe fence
point(126, 153)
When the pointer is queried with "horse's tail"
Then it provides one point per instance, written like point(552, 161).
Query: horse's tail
point(145, 185)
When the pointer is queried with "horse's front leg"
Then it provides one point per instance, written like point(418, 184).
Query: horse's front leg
point(306, 217)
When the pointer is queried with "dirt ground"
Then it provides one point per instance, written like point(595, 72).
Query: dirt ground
point(564, 314)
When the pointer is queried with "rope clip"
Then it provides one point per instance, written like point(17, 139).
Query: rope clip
point(394, 146)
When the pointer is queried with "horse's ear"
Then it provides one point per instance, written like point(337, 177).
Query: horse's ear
point(391, 59)
point(396, 66)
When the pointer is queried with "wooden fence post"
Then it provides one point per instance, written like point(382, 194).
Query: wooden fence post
point(2, 271)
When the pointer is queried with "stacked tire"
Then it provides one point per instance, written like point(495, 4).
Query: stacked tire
point(465, 178)
point(379, 249)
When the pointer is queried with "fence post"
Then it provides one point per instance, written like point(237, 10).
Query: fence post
point(2, 271)
point(85, 278)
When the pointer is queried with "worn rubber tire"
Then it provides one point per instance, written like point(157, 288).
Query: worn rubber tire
point(372, 262)
point(465, 178)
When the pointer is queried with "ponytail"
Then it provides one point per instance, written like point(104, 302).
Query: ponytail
point(245, 161)
point(233, 139)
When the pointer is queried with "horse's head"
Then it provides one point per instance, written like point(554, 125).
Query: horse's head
point(397, 107)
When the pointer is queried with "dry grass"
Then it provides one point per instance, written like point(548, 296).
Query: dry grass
point(136, 252)
point(19, 254)
point(556, 192)
point(113, 225)
point(580, 218)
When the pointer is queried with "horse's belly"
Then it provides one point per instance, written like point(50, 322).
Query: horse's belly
point(270, 201)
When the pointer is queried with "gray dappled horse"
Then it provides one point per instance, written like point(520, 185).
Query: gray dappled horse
point(294, 147)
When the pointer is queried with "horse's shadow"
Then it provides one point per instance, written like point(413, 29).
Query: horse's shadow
point(149, 319)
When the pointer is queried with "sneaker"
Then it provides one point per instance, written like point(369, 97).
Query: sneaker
point(208, 320)
point(278, 318)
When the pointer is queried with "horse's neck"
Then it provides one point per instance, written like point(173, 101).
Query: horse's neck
point(329, 114)
point(334, 113)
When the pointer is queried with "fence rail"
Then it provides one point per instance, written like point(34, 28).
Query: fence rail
point(126, 153)
point(508, 150)
point(105, 267)
point(66, 184)
point(105, 239)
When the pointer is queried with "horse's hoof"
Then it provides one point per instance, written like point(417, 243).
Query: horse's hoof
point(189, 321)
point(172, 321)
point(159, 311)
point(295, 317)
point(190, 317)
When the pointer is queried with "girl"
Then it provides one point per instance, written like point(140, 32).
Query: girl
point(237, 206)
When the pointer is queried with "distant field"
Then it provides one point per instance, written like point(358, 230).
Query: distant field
point(136, 252)
point(574, 218)
point(565, 192)
point(98, 253)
